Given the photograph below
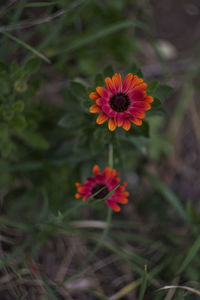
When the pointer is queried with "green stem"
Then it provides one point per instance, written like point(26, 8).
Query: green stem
point(104, 234)
point(110, 156)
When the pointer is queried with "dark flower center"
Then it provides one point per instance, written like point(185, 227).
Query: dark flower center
point(102, 188)
point(119, 102)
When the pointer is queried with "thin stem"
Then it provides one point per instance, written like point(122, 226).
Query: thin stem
point(104, 234)
point(110, 156)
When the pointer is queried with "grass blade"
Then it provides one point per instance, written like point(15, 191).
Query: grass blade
point(28, 47)
point(144, 284)
point(193, 251)
point(81, 42)
point(168, 194)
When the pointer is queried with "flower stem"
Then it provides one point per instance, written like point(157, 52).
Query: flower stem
point(110, 156)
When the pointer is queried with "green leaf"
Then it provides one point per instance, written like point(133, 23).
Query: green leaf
point(142, 130)
point(78, 89)
point(18, 107)
point(151, 87)
point(108, 71)
point(192, 213)
point(143, 285)
point(4, 85)
point(167, 193)
point(3, 67)
point(70, 120)
point(135, 70)
point(192, 253)
point(35, 140)
point(99, 80)
point(83, 41)
point(162, 92)
point(156, 108)
point(28, 47)
point(32, 66)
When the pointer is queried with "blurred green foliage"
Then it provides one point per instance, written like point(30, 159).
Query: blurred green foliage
point(49, 140)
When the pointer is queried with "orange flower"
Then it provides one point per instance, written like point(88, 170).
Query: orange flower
point(121, 101)
point(101, 184)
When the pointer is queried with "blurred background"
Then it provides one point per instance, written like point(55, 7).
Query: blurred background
point(50, 53)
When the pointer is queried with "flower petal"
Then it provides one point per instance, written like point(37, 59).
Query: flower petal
point(113, 205)
point(103, 92)
point(94, 96)
point(136, 121)
point(102, 118)
point(107, 109)
point(110, 86)
point(111, 124)
point(126, 125)
point(149, 99)
point(117, 82)
point(138, 113)
point(96, 170)
point(94, 109)
point(127, 83)
point(141, 105)
point(119, 120)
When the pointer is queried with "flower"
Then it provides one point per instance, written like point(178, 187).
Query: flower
point(121, 101)
point(101, 184)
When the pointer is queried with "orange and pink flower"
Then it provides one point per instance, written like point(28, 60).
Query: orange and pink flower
point(101, 184)
point(121, 101)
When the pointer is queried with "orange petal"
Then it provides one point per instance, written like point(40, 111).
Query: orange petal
point(125, 183)
point(117, 82)
point(114, 206)
point(126, 125)
point(112, 125)
point(109, 84)
point(124, 201)
point(96, 170)
point(103, 92)
point(119, 120)
point(127, 83)
point(77, 195)
point(85, 198)
point(94, 109)
point(136, 121)
point(94, 96)
point(102, 118)
point(149, 99)
point(126, 194)
point(137, 80)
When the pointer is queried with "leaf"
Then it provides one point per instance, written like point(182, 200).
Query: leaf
point(151, 87)
point(156, 108)
point(35, 140)
point(143, 285)
point(99, 80)
point(142, 130)
point(70, 121)
point(32, 66)
point(18, 107)
point(81, 42)
point(4, 85)
point(192, 253)
point(78, 89)
point(135, 70)
point(108, 71)
point(168, 194)
point(28, 47)
point(162, 92)
point(192, 214)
